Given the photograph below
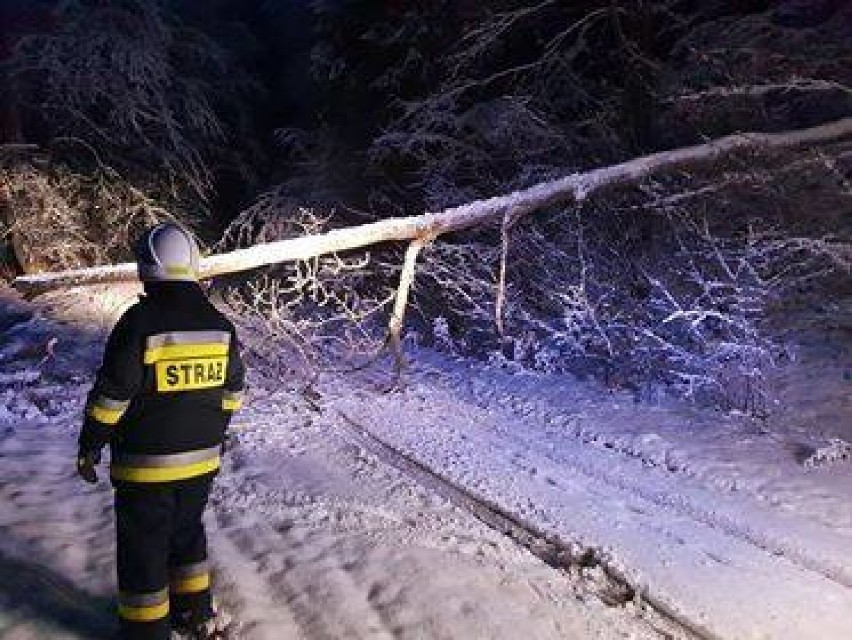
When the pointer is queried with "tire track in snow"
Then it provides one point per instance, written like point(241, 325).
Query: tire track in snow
point(244, 590)
point(612, 587)
point(671, 498)
point(730, 525)
point(426, 567)
point(449, 447)
point(278, 593)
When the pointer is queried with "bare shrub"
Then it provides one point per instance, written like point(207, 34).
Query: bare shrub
point(56, 217)
point(456, 281)
point(130, 113)
point(297, 318)
point(668, 285)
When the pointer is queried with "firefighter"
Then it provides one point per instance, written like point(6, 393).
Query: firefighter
point(170, 380)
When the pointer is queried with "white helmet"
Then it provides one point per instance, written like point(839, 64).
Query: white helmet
point(167, 253)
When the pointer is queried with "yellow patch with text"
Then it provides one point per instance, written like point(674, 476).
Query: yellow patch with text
point(191, 373)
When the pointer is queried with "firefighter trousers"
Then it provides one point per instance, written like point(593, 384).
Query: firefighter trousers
point(163, 575)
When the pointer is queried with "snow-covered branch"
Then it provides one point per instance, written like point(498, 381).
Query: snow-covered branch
point(801, 85)
point(576, 187)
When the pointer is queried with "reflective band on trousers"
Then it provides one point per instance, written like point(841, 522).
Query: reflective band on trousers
point(165, 468)
point(143, 607)
point(191, 578)
point(186, 344)
point(232, 400)
point(106, 410)
point(194, 584)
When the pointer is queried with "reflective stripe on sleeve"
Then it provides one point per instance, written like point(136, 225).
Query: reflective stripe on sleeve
point(186, 344)
point(107, 410)
point(143, 607)
point(165, 468)
point(232, 400)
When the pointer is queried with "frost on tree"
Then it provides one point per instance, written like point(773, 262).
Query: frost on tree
point(507, 209)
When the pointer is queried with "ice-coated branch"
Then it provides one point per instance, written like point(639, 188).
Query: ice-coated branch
point(574, 187)
point(798, 85)
point(406, 279)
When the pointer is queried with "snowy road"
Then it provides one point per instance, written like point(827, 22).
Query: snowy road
point(317, 533)
point(313, 537)
point(738, 564)
point(352, 548)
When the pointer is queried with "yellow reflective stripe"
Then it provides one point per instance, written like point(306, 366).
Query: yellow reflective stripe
point(231, 405)
point(107, 410)
point(164, 474)
point(143, 607)
point(105, 416)
point(176, 351)
point(190, 585)
point(144, 614)
point(232, 400)
point(175, 270)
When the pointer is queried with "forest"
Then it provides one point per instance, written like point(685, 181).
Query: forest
point(533, 319)
point(259, 121)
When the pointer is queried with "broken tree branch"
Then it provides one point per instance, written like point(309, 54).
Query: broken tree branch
point(406, 279)
point(577, 187)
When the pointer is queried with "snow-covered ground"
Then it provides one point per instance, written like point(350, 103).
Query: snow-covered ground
point(318, 534)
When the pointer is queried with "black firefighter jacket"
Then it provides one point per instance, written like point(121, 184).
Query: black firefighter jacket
point(170, 379)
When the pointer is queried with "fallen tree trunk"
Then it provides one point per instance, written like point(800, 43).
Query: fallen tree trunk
point(426, 227)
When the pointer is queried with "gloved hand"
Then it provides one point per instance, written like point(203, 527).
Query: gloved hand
point(86, 462)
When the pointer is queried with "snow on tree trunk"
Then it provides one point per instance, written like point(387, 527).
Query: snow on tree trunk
point(406, 279)
point(427, 227)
